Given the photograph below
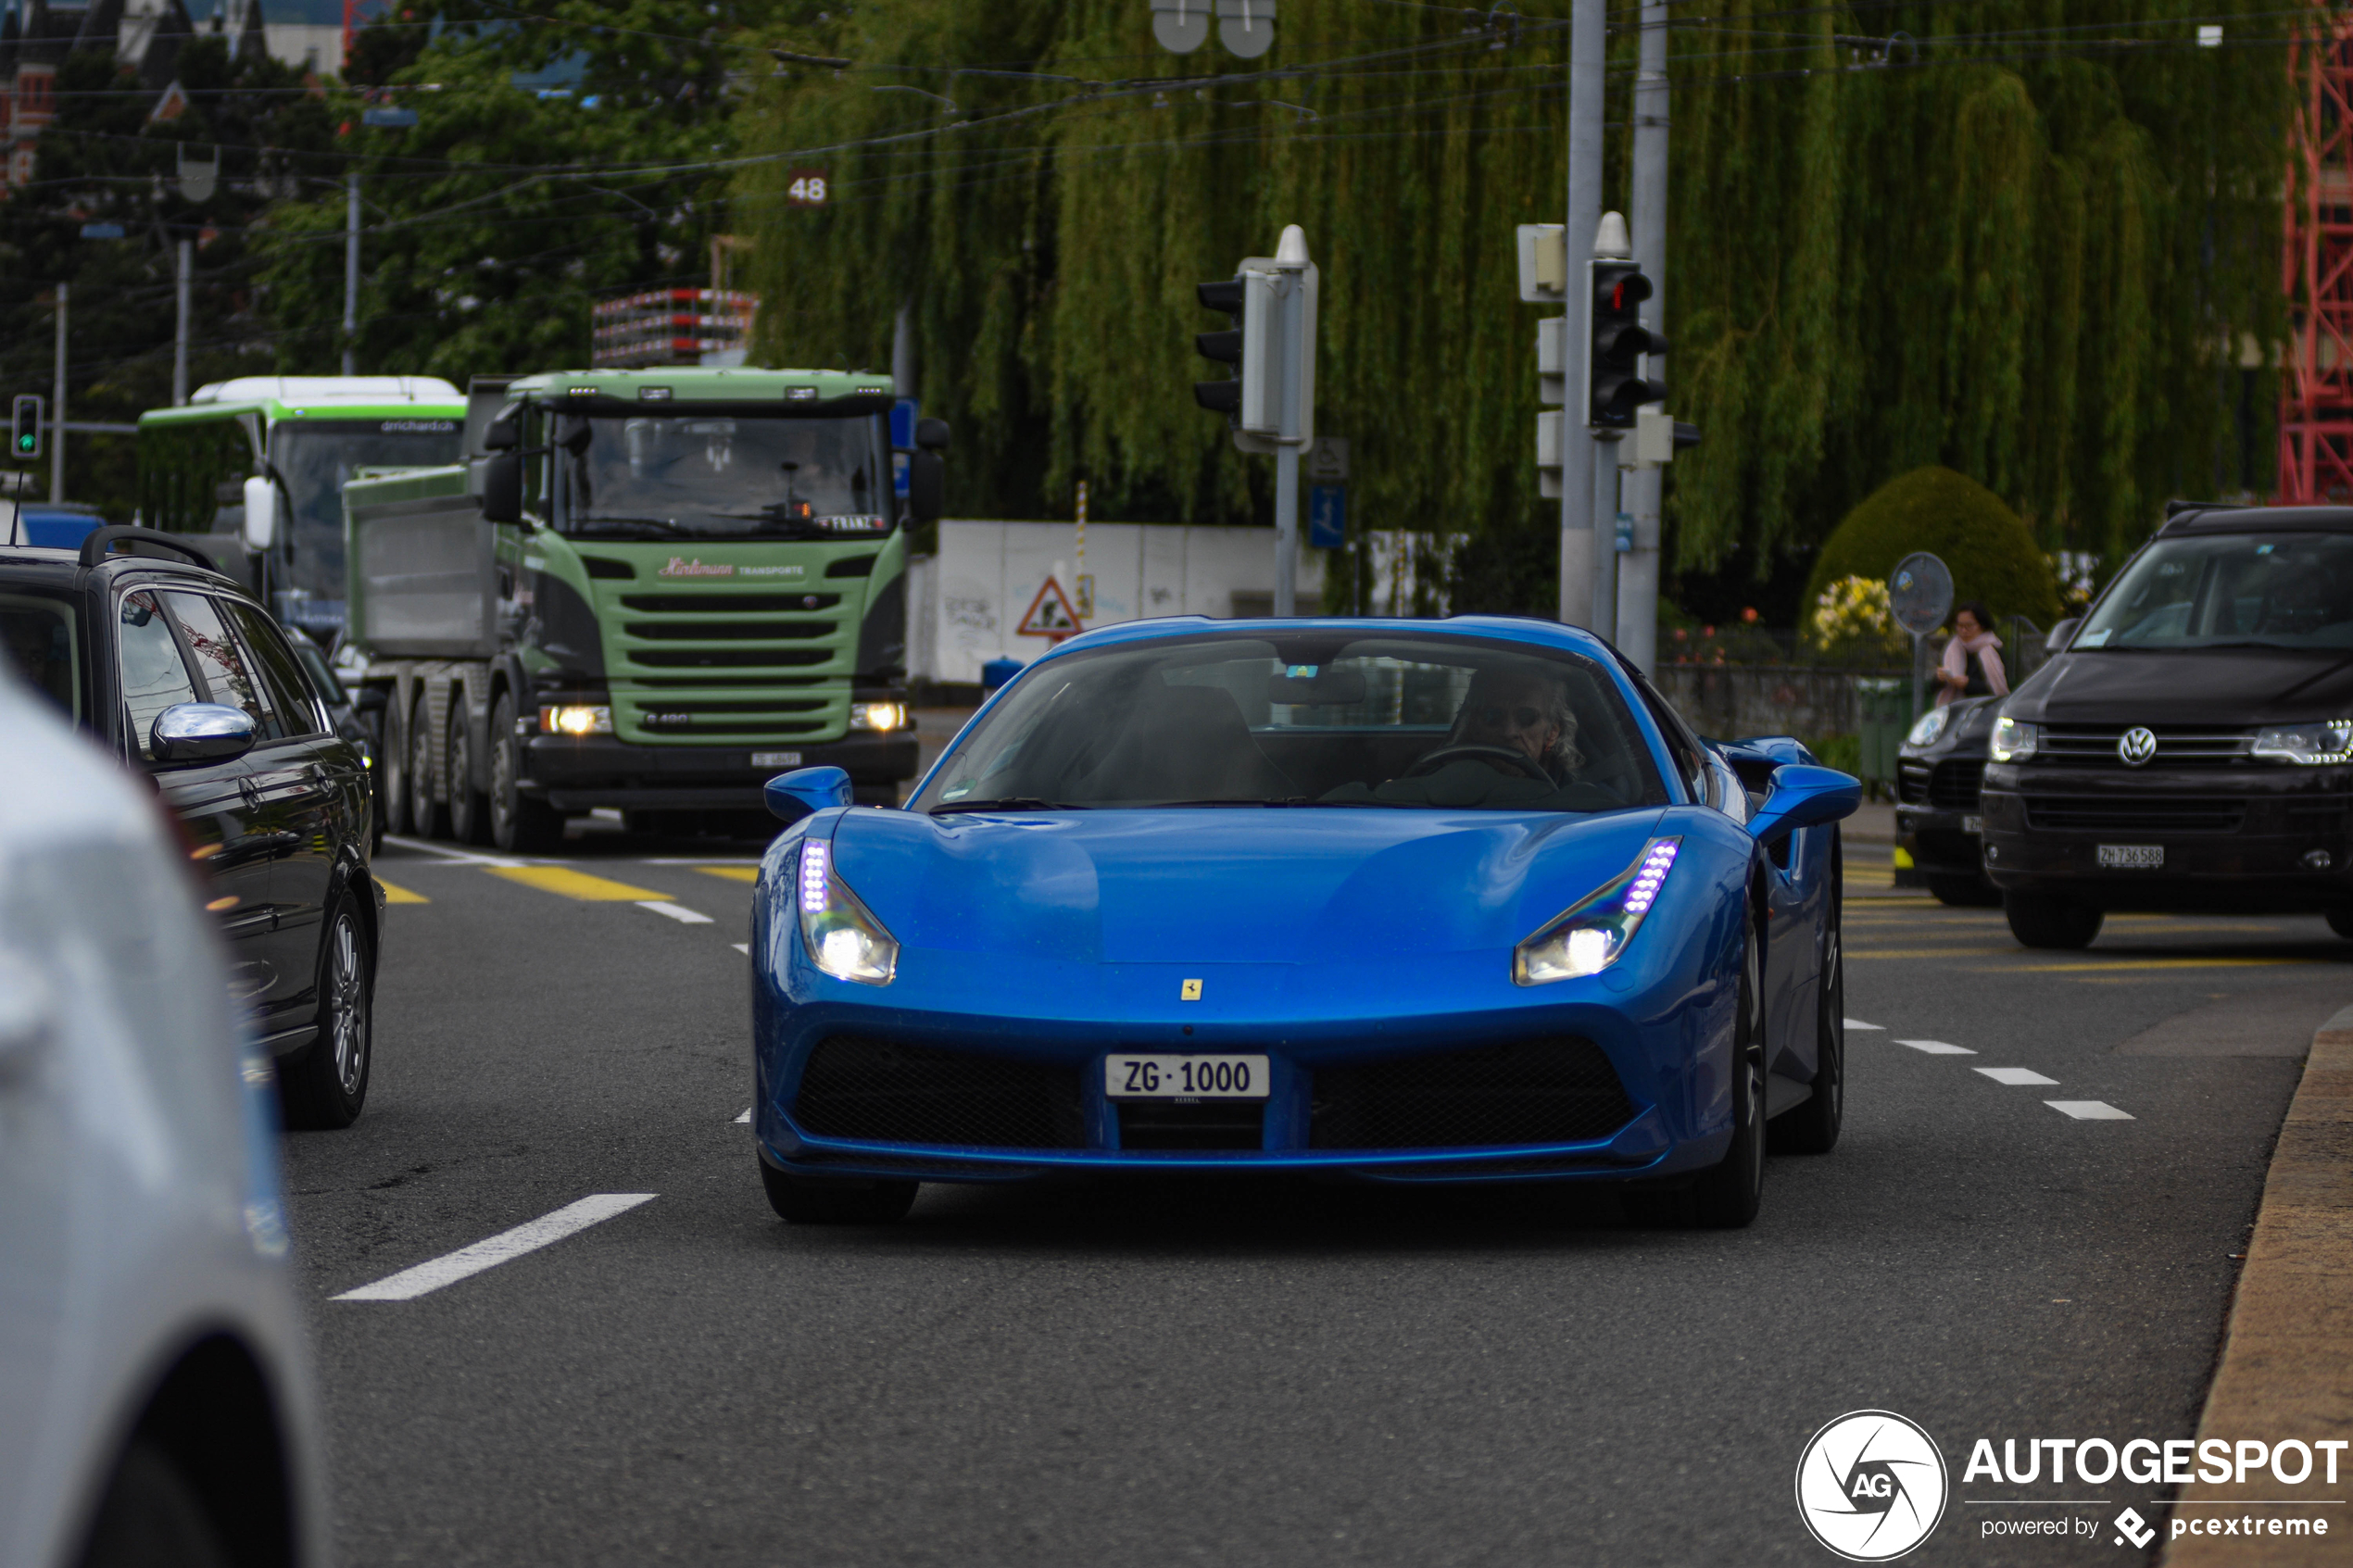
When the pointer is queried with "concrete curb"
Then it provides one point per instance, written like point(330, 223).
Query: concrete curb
point(2287, 1362)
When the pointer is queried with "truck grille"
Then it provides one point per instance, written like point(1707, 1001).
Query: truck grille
point(1555, 1090)
point(881, 1091)
point(727, 604)
point(724, 659)
point(2102, 813)
point(2178, 745)
point(734, 718)
point(1953, 784)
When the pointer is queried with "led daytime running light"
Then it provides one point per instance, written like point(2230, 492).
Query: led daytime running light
point(840, 934)
point(813, 856)
point(1589, 938)
point(1651, 877)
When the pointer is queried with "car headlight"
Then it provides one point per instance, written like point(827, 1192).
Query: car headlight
point(877, 715)
point(1589, 936)
point(2309, 746)
point(2014, 741)
point(842, 936)
point(575, 718)
point(1930, 725)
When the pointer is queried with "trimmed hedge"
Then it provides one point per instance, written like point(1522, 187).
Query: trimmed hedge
point(1990, 552)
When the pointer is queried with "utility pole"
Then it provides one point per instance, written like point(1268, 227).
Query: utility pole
point(351, 277)
point(57, 403)
point(180, 340)
point(1588, 49)
point(1638, 572)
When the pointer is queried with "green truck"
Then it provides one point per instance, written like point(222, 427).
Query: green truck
point(648, 590)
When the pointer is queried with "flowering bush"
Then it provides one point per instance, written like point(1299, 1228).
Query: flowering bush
point(1851, 623)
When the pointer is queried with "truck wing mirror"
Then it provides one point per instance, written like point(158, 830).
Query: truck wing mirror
point(500, 434)
point(497, 482)
point(261, 513)
point(926, 484)
point(931, 436)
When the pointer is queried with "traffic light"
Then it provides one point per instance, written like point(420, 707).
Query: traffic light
point(24, 425)
point(1222, 397)
point(1614, 387)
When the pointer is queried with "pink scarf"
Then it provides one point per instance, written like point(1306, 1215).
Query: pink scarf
point(1956, 662)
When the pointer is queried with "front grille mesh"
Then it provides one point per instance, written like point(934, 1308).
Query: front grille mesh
point(2103, 813)
point(1953, 784)
point(881, 1091)
point(1545, 1091)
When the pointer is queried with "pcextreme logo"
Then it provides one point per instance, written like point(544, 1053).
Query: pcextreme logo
point(1871, 1486)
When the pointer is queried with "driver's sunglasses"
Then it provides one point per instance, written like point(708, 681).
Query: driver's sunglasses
point(1496, 717)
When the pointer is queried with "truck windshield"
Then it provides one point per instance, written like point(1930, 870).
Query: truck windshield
point(313, 458)
point(2267, 590)
point(705, 476)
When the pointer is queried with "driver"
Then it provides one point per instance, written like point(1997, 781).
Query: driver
point(1520, 711)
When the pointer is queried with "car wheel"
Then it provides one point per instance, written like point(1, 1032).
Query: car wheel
point(151, 1515)
point(519, 822)
point(425, 810)
point(2040, 921)
point(2341, 921)
point(1965, 892)
point(1812, 1128)
point(326, 1087)
point(469, 808)
point(835, 1200)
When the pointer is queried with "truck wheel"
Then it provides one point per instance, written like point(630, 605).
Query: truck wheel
point(519, 823)
point(425, 810)
point(2041, 922)
point(469, 808)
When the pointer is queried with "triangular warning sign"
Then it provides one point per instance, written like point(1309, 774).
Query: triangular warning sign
point(1049, 614)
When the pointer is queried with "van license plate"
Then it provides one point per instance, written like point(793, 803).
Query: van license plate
point(2132, 856)
point(776, 759)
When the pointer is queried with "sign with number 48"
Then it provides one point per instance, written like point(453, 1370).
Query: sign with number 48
point(807, 189)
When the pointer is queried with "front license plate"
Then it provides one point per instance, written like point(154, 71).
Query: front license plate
point(1186, 1077)
point(776, 759)
point(2132, 856)
point(1973, 824)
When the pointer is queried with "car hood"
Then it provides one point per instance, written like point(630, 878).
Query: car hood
point(2223, 686)
point(1254, 887)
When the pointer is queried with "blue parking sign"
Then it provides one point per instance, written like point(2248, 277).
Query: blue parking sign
point(1327, 516)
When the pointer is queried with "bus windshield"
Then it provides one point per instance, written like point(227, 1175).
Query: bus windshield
point(686, 476)
point(313, 458)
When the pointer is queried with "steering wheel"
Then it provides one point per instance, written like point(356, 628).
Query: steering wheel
point(1527, 767)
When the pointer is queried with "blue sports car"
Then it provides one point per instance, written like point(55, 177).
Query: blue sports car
point(1427, 901)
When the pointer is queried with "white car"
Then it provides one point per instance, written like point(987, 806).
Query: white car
point(156, 1404)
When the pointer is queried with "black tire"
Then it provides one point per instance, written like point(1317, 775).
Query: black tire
point(392, 773)
point(469, 808)
point(424, 807)
point(326, 1086)
point(1965, 892)
point(1813, 1127)
point(2038, 921)
point(150, 1517)
point(1726, 1197)
point(2341, 921)
point(835, 1200)
point(519, 823)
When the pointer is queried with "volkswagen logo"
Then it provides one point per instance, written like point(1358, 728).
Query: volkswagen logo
point(2136, 746)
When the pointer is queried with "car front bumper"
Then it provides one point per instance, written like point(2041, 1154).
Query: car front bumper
point(1938, 843)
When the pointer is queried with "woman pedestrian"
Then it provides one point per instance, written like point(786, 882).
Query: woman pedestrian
point(1972, 664)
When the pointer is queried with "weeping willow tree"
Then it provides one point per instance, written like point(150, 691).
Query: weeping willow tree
point(2027, 240)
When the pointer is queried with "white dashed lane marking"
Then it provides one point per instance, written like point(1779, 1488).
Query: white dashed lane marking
point(1874, 1028)
point(745, 1120)
point(678, 912)
point(2089, 1110)
point(2016, 1075)
point(1937, 1047)
point(743, 947)
point(488, 1253)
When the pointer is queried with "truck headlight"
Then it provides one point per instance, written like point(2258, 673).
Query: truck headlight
point(842, 936)
point(1588, 936)
point(2014, 741)
point(1930, 725)
point(2312, 745)
point(575, 718)
point(878, 716)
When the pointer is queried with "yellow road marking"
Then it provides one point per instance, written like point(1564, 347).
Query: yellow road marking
point(575, 884)
point(396, 895)
point(732, 873)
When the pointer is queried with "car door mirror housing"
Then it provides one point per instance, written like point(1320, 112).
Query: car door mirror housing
point(201, 732)
point(1804, 796)
point(805, 792)
point(261, 513)
point(2061, 634)
point(497, 482)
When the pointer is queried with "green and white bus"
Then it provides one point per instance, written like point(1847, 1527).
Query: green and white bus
point(255, 468)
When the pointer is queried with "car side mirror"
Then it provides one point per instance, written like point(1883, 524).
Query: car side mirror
point(1804, 797)
point(497, 482)
point(926, 485)
point(201, 732)
point(261, 513)
point(805, 792)
point(2061, 634)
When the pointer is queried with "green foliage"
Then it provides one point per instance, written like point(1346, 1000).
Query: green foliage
point(1988, 549)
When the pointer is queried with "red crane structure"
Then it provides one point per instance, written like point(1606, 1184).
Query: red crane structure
point(2316, 257)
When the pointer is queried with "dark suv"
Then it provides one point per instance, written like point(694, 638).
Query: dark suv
point(2192, 745)
point(187, 678)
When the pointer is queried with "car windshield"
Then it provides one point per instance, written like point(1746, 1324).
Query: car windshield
point(1304, 719)
point(708, 476)
point(313, 458)
point(2271, 590)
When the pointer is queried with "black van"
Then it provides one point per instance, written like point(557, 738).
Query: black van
point(2191, 746)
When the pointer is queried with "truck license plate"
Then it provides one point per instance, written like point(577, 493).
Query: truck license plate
point(2132, 856)
point(1973, 824)
point(1185, 1077)
point(776, 759)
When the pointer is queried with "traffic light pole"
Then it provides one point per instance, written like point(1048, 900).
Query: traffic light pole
point(57, 408)
point(1604, 605)
point(1285, 530)
point(1581, 543)
point(351, 277)
point(185, 280)
point(1638, 570)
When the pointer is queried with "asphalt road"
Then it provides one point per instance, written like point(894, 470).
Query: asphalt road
point(1249, 1372)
